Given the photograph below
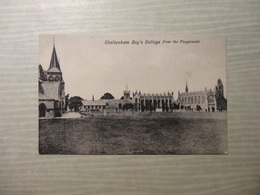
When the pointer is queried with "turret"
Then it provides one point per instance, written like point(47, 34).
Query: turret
point(126, 94)
point(186, 88)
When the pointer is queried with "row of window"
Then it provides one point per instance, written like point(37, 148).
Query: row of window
point(56, 78)
point(155, 96)
point(193, 100)
point(53, 73)
point(155, 101)
point(95, 107)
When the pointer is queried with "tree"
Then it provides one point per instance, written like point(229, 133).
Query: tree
point(151, 107)
point(75, 103)
point(128, 106)
point(142, 107)
point(66, 101)
point(198, 108)
point(163, 106)
point(219, 94)
point(107, 96)
point(176, 106)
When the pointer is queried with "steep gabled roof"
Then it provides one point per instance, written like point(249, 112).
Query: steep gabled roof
point(54, 60)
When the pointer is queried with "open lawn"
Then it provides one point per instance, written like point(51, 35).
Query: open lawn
point(147, 133)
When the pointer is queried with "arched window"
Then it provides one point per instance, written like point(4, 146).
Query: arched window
point(51, 78)
point(57, 78)
point(203, 99)
point(42, 110)
point(154, 103)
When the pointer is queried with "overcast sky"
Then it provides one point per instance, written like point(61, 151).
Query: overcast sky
point(91, 67)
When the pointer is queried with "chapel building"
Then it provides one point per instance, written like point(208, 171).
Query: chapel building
point(51, 89)
point(197, 100)
point(152, 101)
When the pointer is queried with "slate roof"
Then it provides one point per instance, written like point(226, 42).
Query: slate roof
point(54, 60)
point(53, 69)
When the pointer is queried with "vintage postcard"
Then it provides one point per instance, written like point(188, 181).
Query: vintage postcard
point(132, 94)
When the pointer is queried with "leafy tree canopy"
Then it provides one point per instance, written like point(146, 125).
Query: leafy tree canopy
point(219, 94)
point(128, 106)
point(107, 96)
point(219, 89)
point(75, 102)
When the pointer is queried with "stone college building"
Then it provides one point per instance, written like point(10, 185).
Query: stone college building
point(197, 100)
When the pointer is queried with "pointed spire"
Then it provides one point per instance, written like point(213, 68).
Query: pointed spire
point(186, 89)
point(54, 59)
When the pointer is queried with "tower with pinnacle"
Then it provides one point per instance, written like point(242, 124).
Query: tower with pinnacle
point(52, 87)
point(126, 94)
point(186, 88)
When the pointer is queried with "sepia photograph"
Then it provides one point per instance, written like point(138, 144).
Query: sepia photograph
point(132, 94)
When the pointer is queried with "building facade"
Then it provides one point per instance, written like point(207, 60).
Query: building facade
point(138, 102)
point(197, 100)
point(189, 101)
point(107, 104)
point(152, 102)
point(94, 105)
point(51, 89)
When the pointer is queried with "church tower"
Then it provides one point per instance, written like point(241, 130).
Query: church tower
point(54, 73)
point(53, 83)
